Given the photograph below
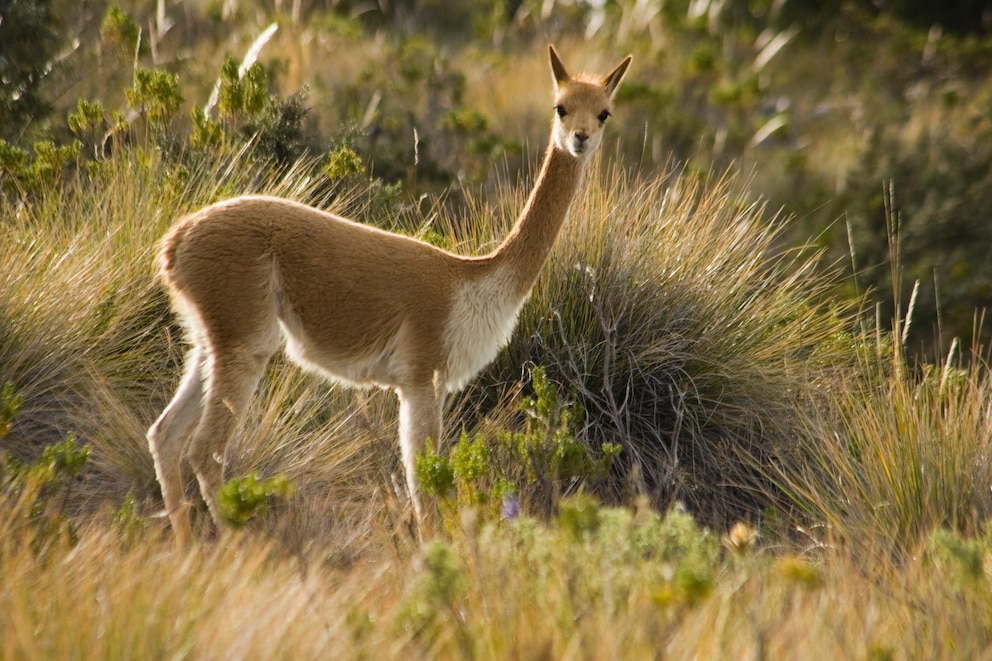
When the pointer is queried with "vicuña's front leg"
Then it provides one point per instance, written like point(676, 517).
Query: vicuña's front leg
point(420, 419)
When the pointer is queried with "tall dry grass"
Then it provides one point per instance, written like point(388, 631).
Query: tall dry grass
point(893, 456)
point(902, 446)
point(594, 583)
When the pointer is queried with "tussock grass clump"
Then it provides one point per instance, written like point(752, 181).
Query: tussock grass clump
point(79, 317)
point(894, 456)
point(687, 336)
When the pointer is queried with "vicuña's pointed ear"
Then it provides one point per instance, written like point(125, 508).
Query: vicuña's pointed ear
point(561, 75)
point(612, 80)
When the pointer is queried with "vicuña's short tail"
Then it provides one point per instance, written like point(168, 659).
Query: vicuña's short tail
point(165, 260)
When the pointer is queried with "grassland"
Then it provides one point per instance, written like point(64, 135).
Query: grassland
point(731, 456)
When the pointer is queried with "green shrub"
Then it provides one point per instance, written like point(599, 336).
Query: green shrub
point(122, 34)
point(35, 497)
point(155, 94)
point(960, 558)
point(434, 472)
point(242, 498)
point(24, 175)
point(87, 122)
point(10, 404)
point(527, 470)
point(343, 163)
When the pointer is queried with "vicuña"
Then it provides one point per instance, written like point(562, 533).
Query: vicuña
point(356, 304)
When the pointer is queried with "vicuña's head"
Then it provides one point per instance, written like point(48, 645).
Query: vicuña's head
point(582, 106)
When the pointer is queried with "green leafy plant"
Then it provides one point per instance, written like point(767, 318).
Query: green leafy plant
point(24, 174)
point(155, 94)
point(962, 559)
point(434, 472)
point(549, 441)
point(36, 495)
point(534, 467)
point(207, 133)
point(122, 34)
point(250, 113)
point(343, 163)
point(13, 159)
point(242, 95)
point(87, 122)
point(242, 498)
point(10, 403)
point(127, 521)
point(436, 593)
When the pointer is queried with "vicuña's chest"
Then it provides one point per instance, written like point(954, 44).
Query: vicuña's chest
point(483, 316)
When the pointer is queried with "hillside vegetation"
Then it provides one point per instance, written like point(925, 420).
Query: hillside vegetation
point(747, 412)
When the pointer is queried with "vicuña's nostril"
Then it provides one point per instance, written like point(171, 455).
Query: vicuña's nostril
point(581, 136)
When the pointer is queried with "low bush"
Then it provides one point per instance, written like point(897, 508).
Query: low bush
point(686, 336)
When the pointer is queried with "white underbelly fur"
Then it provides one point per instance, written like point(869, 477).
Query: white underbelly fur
point(361, 371)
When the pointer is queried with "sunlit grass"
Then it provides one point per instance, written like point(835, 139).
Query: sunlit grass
point(895, 456)
point(231, 601)
point(618, 584)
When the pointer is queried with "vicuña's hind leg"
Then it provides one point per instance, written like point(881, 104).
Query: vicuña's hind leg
point(167, 438)
point(420, 419)
point(232, 378)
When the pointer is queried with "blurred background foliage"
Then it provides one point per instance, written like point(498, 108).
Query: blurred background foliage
point(842, 112)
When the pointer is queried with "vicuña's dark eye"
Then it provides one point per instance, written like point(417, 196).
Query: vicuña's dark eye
point(603, 116)
point(560, 109)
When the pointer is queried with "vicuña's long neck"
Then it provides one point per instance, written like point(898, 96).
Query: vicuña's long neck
point(526, 248)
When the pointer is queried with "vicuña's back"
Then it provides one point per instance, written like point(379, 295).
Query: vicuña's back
point(357, 304)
